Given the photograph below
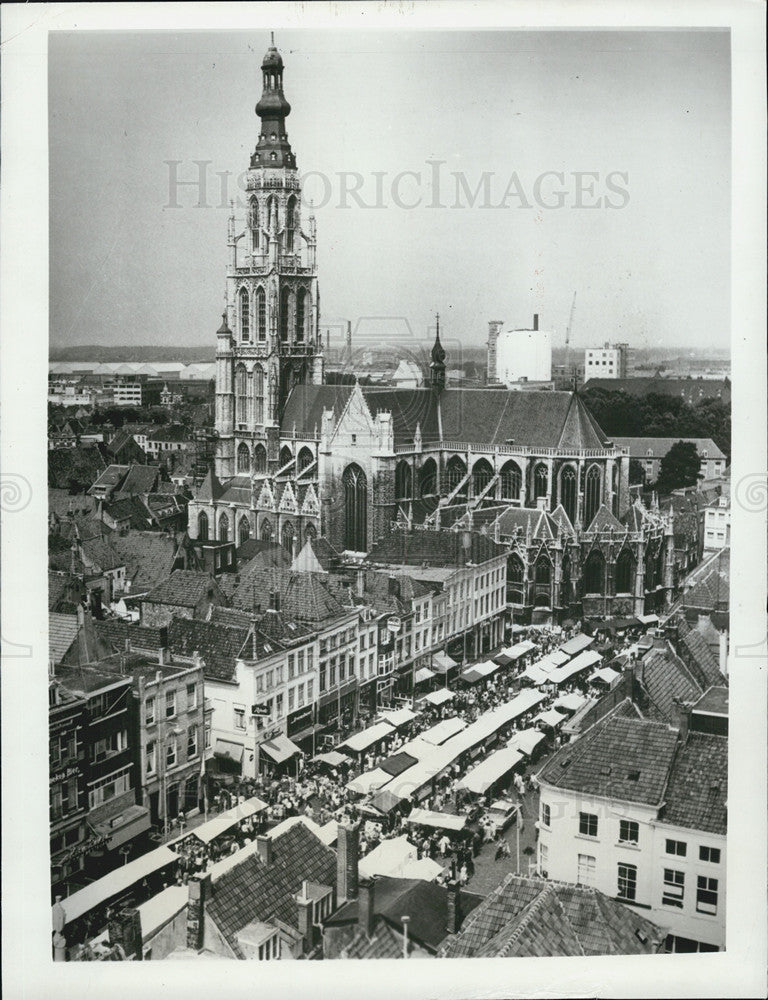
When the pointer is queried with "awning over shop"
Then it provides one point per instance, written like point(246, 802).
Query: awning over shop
point(440, 697)
point(487, 668)
point(605, 675)
point(443, 730)
point(280, 749)
point(365, 783)
point(124, 827)
point(116, 882)
point(385, 801)
point(570, 702)
point(439, 820)
point(309, 731)
point(471, 675)
point(398, 763)
point(423, 674)
point(575, 666)
point(525, 741)
point(551, 718)
point(491, 770)
point(519, 649)
point(503, 660)
point(228, 750)
point(577, 643)
point(399, 718)
point(368, 738)
point(332, 758)
point(220, 824)
point(442, 662)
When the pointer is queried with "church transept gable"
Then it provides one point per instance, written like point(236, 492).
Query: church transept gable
point(310, 505)
point(288, 501)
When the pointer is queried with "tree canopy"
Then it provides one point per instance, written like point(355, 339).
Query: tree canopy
point(680, 467)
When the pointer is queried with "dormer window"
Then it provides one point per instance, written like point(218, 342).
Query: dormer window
point(273, 137)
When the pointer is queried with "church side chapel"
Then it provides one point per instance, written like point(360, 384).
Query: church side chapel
point(297, 459)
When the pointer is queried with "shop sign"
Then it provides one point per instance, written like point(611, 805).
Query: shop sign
point(299, 720)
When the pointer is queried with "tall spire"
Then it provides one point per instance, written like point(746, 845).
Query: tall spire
point(437, 366)
point(273, 148)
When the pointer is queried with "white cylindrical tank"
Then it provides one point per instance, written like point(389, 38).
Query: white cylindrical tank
point(524, 355)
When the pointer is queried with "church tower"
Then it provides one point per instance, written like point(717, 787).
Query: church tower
point(269, 340)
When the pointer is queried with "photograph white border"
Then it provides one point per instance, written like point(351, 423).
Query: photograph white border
point(27, 966)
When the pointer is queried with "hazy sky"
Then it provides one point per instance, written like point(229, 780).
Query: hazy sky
point(513, 105)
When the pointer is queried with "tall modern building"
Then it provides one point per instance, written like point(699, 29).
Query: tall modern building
point(519, 355)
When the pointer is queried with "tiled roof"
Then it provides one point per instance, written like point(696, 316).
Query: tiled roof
point(384, 943)
point(63, 592)
point(698, 785)
point(131, 509)
point(528, 917)
point(303, 596)
point(436, 548)
point(272, 553)
point(140, 479)
point(117, 631)
point(255, 891)
point(230, 616)
point(604, 520)
point(710, 584)
point(639, 446)
point(219, 645)
point(148, 555)
point(170, 432)
point(667, 680)
point(426, 903)
point(621, 758)
point(186, 588)
point(62, 502)
point(275, 558)
point(704, 662)
point(111, 476)
point(100, 554)
point(210, 488)
point(714, 701)
point(236, 490)
point(62, 630)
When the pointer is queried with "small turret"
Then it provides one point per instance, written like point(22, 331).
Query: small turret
point(437, 366)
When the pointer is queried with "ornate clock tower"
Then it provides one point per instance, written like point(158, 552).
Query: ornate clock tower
point(269, 338)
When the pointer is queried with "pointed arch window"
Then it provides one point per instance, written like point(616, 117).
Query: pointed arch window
point(253, 222)
point(287, 536)
point(482, 474)
point(625, 572)
point(261, 313)
point(301, 314)
point(266, 530)
point(540, 481)
point(568, 491)
point(515, 579)
point(285, 313)
point(223, 528)
point(511, 479)
point(202, 526)
point(591, 494)
point(243, 458)
point(310, 533)
point(244, 531)
point(290, 224)
point(594, 574)
point(258, 394)
point(260, 459)
point(305, 459)
point(241, 394)
point(355, 509)
point(455, 471)
point(428, 478)
point(402, 481)
point(245, 314)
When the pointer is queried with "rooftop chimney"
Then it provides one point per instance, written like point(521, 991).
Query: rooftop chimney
point(365, 906)
point(535, 321)
point(274, 600)
point(394, 586)
point(347, 853)
point(453, 921)
point(360, 582)
point(684, 718)
point(264, 848)
point(405, 921)
point(304, 904)
point(199, 891)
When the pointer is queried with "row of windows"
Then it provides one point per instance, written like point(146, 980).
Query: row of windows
point(294, 316)
point(629, 833)
point(171, 750)
point(169, 704)
point(109, 787)
point(673, 887)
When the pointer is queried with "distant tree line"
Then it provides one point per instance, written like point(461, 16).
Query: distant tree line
point(656, 415)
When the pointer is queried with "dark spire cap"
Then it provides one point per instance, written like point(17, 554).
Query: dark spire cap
point(224, 328)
